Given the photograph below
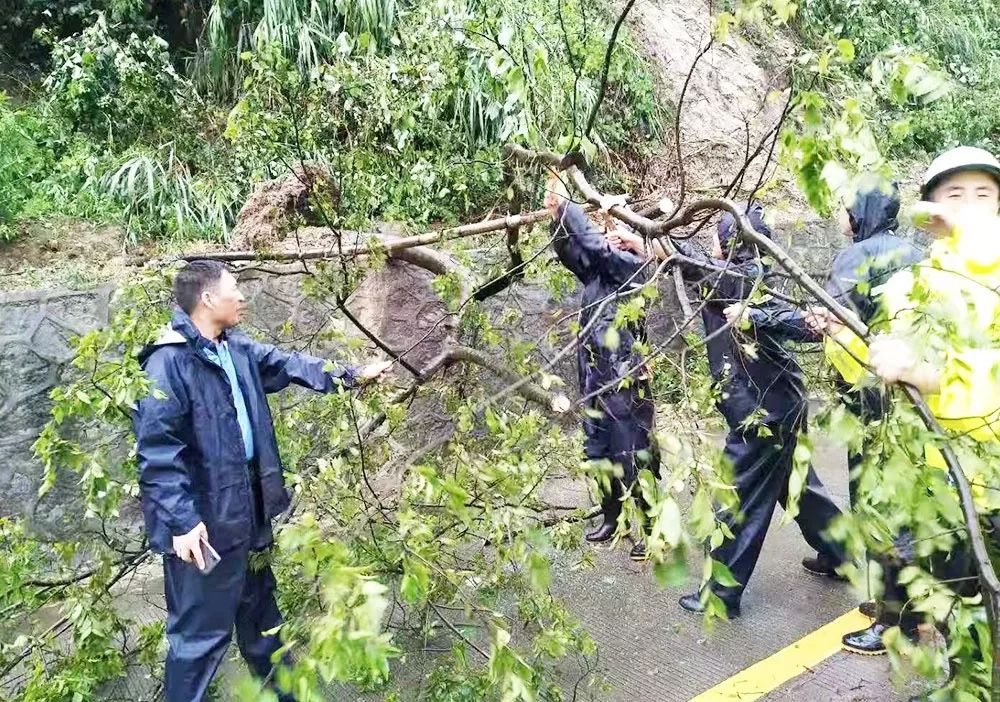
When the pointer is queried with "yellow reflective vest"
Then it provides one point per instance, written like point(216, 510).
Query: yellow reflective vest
point(948, 307)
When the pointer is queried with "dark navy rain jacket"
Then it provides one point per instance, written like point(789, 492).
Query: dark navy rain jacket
point(192, 462)
point(767, 382)
point(876, 254)
point(622, 417)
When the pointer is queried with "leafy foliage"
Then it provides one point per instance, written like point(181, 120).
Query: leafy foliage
point(160, 195)
point(386, 122)
point(382, 111)
point(25, 24)
point(107, 86)
point(960, 38)
point(23, 160)
point(307, 33)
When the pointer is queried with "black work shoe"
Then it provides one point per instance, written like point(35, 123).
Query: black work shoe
point(638, 552)
point(822, 565)
point(602, 533)
point(692, 603)
point(870, 609)
point(867, 642)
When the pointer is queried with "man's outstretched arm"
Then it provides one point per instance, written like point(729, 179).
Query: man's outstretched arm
point(278, 369)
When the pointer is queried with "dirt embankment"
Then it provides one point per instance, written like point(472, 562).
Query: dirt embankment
point(61, 253)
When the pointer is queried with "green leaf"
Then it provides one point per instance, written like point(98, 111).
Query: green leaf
point(505, 35)
point(538, 571)
point(612, 338)
point(724, 23)
point(667, 522)
point(722, 575)
point(672, 572)
point(846, 49)
point(784, 10)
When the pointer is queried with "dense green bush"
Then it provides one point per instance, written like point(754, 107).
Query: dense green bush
point(408, 104)
point(117, 89)
point(23, 160)
point(21, 20)
point(959, 36)
point(413, 133)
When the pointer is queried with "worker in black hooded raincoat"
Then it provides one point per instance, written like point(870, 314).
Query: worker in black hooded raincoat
point(857, 272)
point(618, 422)
point(876, 253)
point(763, 400)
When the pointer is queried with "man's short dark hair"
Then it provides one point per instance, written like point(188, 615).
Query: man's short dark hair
point(195, 278)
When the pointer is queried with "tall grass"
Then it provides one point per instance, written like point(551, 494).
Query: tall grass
point(308, 31)
point(160, 196)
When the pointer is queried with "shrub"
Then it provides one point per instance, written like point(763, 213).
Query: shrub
point(959, 36)
point(119, 89)
point(23, 160)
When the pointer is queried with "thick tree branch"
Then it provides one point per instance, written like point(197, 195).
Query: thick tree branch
point(516, 269)
point(682, 295)
point(527, 390)
point(389, 245)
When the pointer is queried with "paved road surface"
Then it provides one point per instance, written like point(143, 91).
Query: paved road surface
point(650, 649)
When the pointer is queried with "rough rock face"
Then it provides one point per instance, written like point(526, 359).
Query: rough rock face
point(273, 205)
point(399, 305)
point(731, 92)
point(35, 329)
point(395, 302)
point(735, 96)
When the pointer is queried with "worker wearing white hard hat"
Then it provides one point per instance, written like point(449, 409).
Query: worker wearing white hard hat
point(958, 166)
point(943, 319)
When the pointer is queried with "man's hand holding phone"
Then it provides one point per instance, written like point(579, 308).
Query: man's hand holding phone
point(189, 546)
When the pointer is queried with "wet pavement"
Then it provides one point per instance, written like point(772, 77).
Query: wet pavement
point(650, 649)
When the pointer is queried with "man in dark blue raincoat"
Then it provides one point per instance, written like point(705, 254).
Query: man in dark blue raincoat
point(612, 373)
point(763, 399)
point(875, 255)
point(209, 473)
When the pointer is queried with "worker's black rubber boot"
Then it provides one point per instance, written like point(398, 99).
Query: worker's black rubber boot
point(692, 603)
point(612, 508)
point(822, 565)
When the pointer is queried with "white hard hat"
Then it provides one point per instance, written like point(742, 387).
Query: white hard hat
point(957, 160)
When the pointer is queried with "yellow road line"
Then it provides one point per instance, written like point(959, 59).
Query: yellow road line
point(812, 649)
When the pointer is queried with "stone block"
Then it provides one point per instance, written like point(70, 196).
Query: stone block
point(24, 376)
point(20, 314)
point(80, 312)
point(51, 341)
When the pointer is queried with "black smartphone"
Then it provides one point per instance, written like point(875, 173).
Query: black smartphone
point(210, 556)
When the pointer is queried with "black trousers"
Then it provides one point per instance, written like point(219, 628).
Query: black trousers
point(868, 405)
point(202, 611)
point(957, 568)
point(762, 467)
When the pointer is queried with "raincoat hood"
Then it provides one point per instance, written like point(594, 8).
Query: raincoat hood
point(729, 231)
point(874, 212)
point(180, 330)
